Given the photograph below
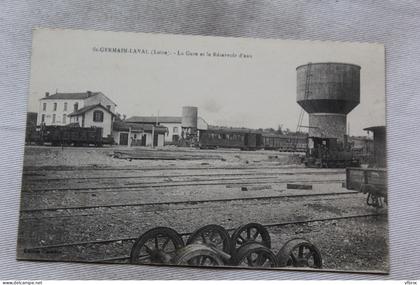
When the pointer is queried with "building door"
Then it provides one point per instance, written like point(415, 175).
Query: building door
point(143, 140)
point(123, 139)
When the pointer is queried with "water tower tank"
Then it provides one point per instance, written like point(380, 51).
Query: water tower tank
point(189, 117)
point(328, 92)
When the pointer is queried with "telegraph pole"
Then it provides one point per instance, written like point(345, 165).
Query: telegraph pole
point(153, 130)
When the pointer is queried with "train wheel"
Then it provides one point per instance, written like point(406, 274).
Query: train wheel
point(254, 254)
point(197, 255)
point(299, 253)
point(156, 246)
point(250, 232)
point(212, 235)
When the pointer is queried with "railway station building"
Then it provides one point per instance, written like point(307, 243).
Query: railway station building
point(86, 109)
point(172, 123)
point(136, 134)
point(93, 116)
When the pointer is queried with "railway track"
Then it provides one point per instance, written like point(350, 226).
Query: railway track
point(35, 170)
point(131, 239)
point(186, 202)
point(211, 180)
point(94, 213)
point(148, 209)
point(109, 222)
point(146, 186)
point(30, 179)
point(143, 180)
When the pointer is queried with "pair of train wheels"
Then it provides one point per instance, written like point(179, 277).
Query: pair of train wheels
point(211, 245)
point(241, 249)
point(295, 253)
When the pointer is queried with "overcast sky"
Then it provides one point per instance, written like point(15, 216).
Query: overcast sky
point(254, 92)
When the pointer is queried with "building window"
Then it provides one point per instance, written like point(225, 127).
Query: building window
point(175, 130)
point(55, 106)
point(43, 118)
point(65, 106)
point(98, 116)
point(64, 119)
point(108, 107)
point(53, 119)
point(44, 106)
point(76, 106)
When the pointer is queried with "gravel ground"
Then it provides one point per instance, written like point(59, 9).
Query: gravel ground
point(91, 177)
point(72, 157)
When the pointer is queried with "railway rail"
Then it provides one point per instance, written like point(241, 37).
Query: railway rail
point(84, 243)
point(96, 212)
point(29, 178)
point(26, 169)
point(144, 209)
point(140, 186)
point(187, 202)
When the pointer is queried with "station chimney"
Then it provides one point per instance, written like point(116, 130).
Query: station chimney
point(328, 92)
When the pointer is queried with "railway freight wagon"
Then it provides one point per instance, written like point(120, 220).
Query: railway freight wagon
point(227, 138)
point(76, 136)
point(284, 142)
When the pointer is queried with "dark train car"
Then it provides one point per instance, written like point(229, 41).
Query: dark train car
point(229, 138)
point(247, 139)
point(329, 153)
point(284, 142)
point(65, 135)
point(32, 135)
point(373, 180)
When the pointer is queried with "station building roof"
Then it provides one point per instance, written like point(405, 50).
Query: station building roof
point(154, 119)
point(375, 128)
point(71, 96)
point(87, 108)
point(124, 126)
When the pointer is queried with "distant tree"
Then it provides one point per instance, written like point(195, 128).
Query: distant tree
point(119, 117)
point(269, 130)
point(279, 130)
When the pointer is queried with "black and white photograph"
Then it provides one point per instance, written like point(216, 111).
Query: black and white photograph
point(159, 149)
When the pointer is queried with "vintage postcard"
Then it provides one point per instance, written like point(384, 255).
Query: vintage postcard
point(205, 151)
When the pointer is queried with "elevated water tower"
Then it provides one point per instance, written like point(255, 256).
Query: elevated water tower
point(189, 120)
point(328, 92)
